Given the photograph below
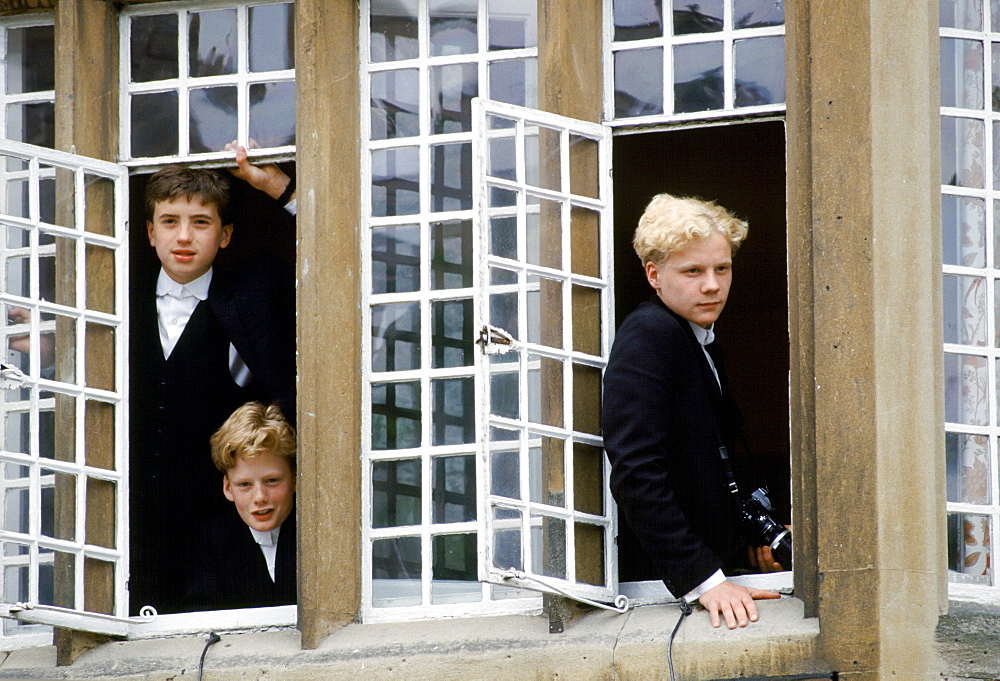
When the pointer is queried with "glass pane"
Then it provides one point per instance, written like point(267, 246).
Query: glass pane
point(30, 59)
point(965, 389)
point(548, 546)
point(758, 13)
point(395, 181)
point(505, 463)
point(760, 71)
point(453, 496)
point(99, 218)
point(514, 81)
point(18, 204)
point(396, 493)
point(33, 123)
point(545, 311)
point(503, 310)
point(512, 24)
point(396, 415)
point(213, 118)
point(100, 447)
point(701, 17)
point(586, 399)
point(504, 385)
point(395, 104)
point(453, 25)
point(545, 391)
point(452, 88)
point(396, 337)
point(153, 43)
point(698, 82)
point(962, 152)
point(17, 430)
point(451, 177)
point(503, 237)
point(272, 114)
point(212, 43)
point(638, 82)
point(587, 324)
point(588, 478)
point(271, 38)
point(453, 411)
point(585, 226)
point(396, 568)
point(502, 158)
point(58, 342)
point(452, 333)
point(964, 310)
point(62, 592)
point(455, 578)
point(451, 254)
point(502, 198)
point(58, 505)
point(393, 30)
point(638, 19)
point(154, 124)
point(546, 457)
point(15, 509)
point(507, 538)
point(969, 557)
point(589, 554)
point(543, 158)
point(964, 14)
point(968, 465)
point(962, 72)
point(584, 171)
point(544, 232)
point(396, 259)
point(963, 230)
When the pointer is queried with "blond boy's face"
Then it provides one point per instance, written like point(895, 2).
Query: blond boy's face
point(694, 281)
point(187, 235)
point(263, 489)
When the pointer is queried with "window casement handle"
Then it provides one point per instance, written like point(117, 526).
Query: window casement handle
point(11, 377)
point(494, 341)
point(621, 605)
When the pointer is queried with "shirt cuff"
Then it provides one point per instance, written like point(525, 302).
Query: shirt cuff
point(715, 580)
point(291, 207)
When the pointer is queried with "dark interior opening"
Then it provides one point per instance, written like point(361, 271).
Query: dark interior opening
point(741, 166)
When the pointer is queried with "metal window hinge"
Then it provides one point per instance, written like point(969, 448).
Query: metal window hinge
point(494, 341)
point(11, 377)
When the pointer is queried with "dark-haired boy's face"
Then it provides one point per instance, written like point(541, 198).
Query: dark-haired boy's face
point(187, 235)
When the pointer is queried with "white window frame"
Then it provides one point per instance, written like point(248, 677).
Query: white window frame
point(6, 99)
point(728, 36)
point(184, 83)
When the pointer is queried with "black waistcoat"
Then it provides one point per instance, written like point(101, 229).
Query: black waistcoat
point(177, 404)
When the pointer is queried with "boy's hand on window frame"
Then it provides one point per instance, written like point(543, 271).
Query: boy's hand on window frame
point(734, 603)
point(268, 177)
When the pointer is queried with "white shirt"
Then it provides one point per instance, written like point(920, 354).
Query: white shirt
point(704, 337)
point(175, 303)
point(268, 542)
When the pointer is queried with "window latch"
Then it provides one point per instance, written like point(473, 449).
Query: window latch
point(494, 341)
point(11, 377)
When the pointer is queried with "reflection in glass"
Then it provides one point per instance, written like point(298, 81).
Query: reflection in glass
point(452, 333)
point(758, 13)
point(395, 181)
point(153, 42)
point(395, 259)
point(701, 17)
point(964, 14)
point(453, 25)
point(453, 411)
point(548, 546)
point(453, 495)
point(451, 254)
point(964, 310)
point(969, 557)
point(543, 232)
point(502, 154)
point(213, 118)
point(962, 152)
point(759, 65)
point(154, 124)
point(963, 230)
point(502, 198)
point(271, 38)
point(455, 578)
point(395, 104)
point(396, 337)
point(545, 391)
point(504, 388)
point(962, 73)
point(638, 19)
point(589, 554)
point(15, 509)
point(966, 395)
point(272, 114)
point(451, 177)
point(17, 431)
point(393, 30)
point(452, 88)
point(638, 82)
point(586, 320)
point(505, 469)
point(507, 538)
point(544, 311)
point(503, 237)
point(586, 399)
point(512, 24)
point(396, 415)
point(968, 466)
point(546, 459)
point(588, 478)
point(212, 49)
point(396, 567)
point(30, 59)
point(396, 493)
point(514, 81)
point(503, 310)
point(698, 82)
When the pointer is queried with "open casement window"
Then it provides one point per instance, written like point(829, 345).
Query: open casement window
point(63, 557)
point(543, 200)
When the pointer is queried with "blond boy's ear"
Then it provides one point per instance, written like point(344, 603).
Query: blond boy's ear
point(226, 489)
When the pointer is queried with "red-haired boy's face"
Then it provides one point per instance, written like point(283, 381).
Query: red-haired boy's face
point(263, 489)
point(187, 235)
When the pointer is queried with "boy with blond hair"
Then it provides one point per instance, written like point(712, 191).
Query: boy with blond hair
point(245, 557)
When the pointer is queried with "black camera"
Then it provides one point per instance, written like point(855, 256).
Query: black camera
point(756, 512)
